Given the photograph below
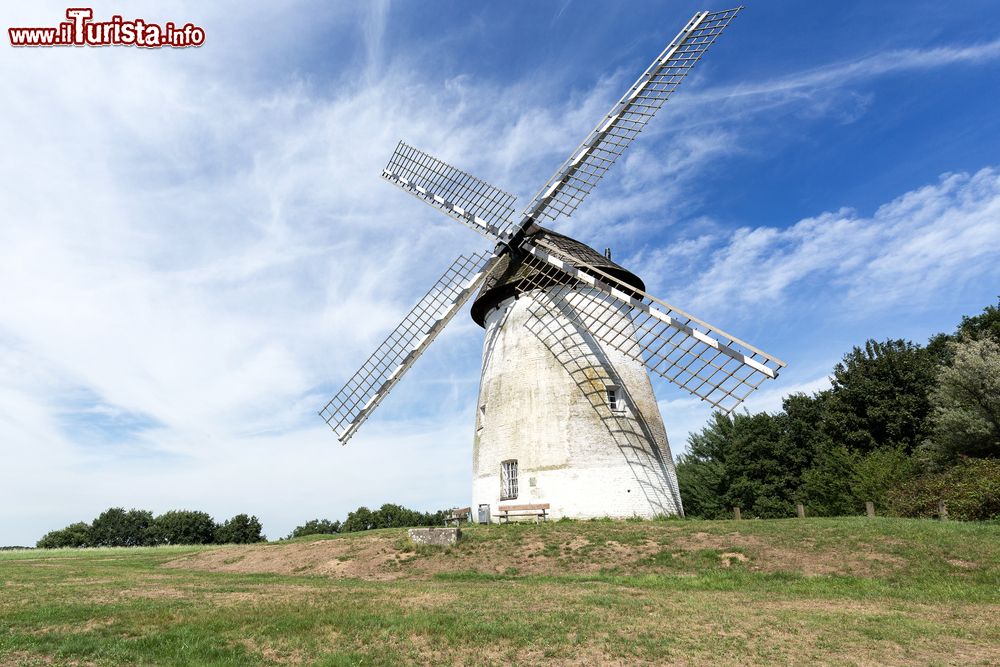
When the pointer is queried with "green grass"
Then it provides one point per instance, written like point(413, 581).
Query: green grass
point(827, 591)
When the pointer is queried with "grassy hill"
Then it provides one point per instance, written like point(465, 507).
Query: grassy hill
point(828, 591)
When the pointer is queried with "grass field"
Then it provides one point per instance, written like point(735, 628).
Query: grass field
point(820, 591)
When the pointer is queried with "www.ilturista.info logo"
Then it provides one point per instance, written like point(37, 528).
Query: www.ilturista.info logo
point(80, 30)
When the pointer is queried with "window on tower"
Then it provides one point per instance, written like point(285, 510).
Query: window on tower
point(614, 400)
point(508, 480)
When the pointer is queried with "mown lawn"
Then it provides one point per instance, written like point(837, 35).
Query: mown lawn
point(822, 591)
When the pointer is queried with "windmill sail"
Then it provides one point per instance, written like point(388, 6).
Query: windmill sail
point(698, 357)
point(473, 202)
point(574, 180)
point(352, 405)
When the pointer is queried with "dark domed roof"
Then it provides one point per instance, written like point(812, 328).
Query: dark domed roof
point(502, 282)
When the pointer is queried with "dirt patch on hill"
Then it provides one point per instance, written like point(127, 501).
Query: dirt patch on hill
point(364, 557)
point(554, 550)
point(382, 558)
point(763, 555)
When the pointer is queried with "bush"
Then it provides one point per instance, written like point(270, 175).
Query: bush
point(316, 527)
point(75, 535)
point(971, 491)
point(183, 527)
point(241, 529)
point(880, 471)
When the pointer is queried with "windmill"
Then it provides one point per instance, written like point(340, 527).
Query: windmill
point(566, 418)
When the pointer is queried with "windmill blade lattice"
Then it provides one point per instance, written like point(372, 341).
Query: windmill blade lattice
point(606, 143)
point(352, 405)
point(473, 202)
point(694, 355)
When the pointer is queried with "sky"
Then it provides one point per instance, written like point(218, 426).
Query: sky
point(196, 248)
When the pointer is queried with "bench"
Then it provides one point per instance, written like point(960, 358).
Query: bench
point(458, 515)
point(506, 512)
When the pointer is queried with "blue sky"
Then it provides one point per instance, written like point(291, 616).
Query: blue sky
point(196, 248)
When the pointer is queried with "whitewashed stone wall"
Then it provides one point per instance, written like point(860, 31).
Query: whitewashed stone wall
point(543, 401)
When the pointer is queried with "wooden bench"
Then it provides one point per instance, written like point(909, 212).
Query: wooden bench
point(458, 515)
point(506, 512)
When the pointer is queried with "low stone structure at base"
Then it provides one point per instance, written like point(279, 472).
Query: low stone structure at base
point(440, 537)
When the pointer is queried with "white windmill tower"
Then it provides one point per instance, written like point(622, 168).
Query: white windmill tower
point(566, 416)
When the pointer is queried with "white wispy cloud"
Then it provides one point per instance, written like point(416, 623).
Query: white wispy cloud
point(834, 90)
point(936, 237)
point(875, 65)
point(656, 182)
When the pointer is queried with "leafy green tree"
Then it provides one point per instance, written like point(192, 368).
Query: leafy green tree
point(359, 519)
point(701, 472)
point(984, 326)
point(396, 516)
point(891, 407)
point(804, 428)
point(75, 535)
point(763, 466)
point(435, 518)
point(966, 403)
point(827, 484)
point(389, 515)
point(241, 529)
point(755, 462)
point(880, 396)
point(183, 527)
point(117, 528)
point(316, 527)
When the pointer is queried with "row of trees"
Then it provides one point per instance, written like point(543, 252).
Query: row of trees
point(387, 516)
point(903, 425)
point(117, 527)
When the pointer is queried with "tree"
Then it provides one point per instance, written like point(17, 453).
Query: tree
point(880, 396)
point(826, 484)
point(316, 527)
point(701, 471)
point(389, 515)
point(984, 326)
point(359, 519)
point(763, 466)
point(755, 462)
point(861, 440)
point(966, 403)
point(183, 527)
point(117, 528)
point(75, 535)
point(241, 529)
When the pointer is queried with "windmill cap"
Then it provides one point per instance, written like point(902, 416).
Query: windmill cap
point(505, 278)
